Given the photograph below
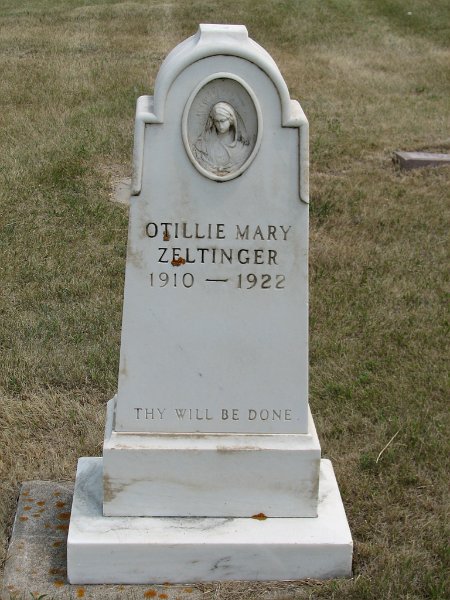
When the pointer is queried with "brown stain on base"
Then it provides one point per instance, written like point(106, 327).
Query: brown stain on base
point(41, 503)
point(64, 516)
point(62, 527)
point(108, 489)
point(259, 517)
point(177, 262)
point(112, 488)
point(80, 593)
point(150, 594)
point(56, 544)
point(60, 504)
point(23, 518)
point(58, 583)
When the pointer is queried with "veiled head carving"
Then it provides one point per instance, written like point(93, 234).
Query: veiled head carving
point(222, 127)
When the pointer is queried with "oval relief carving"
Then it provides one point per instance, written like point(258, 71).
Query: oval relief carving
point(222, 127)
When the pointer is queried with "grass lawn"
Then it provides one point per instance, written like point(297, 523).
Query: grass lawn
point(372, 76)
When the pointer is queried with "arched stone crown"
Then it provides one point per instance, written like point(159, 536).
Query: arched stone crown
point(212, 40)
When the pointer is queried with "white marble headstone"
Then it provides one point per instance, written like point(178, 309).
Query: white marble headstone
point(211, 424)
point(214, 335)
point(215, 321)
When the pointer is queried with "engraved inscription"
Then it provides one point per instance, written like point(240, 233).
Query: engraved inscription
point(211, 414)
point(215, 231)
point(244, 258)
point(185, 244)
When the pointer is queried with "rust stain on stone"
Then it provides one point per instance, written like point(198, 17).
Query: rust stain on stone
point(58, 583)
point(176, 262)
point(56, 544)
point(60, 504)
point(62, 527)
point(163, 596)
point(57, 494)
point(64, 516)
point(166, 236)
point(27, 508)
point(80, 592)
point(259, 517)
point(149, 594)
point(41, 503)
point(188, 590)
point(23, 518)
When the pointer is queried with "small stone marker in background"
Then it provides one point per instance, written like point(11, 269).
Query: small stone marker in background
point(415, 160)
point(211, 464)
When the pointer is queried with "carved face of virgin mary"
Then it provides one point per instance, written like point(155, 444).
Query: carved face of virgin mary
point(221, 147)
point(223, 118)
point(221, 127)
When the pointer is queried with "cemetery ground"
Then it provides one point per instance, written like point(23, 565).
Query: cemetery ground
point(372, 76)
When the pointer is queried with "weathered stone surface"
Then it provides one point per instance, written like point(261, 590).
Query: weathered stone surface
point(215, 319)
point(215, 323)
point(222, 475)
point(211, 424)
point(36, 560)
point(158, 549)
point(415, 160)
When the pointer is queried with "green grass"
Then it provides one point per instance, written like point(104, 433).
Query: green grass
point(372, 79)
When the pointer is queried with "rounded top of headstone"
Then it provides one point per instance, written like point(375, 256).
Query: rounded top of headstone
point(212, 54)
point(230, 40)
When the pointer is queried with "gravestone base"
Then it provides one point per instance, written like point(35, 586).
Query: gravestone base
point(209, 475)
point(186, 549)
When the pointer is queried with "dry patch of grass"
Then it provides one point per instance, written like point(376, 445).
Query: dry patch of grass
point(372, 79)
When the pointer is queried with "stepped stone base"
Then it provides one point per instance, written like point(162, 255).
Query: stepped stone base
point(192, 549)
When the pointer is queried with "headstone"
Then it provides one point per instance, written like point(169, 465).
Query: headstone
point(415, 160)
point(211, 460)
